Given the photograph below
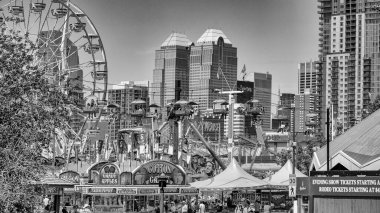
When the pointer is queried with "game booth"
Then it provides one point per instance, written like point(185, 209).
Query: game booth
point(108, 189)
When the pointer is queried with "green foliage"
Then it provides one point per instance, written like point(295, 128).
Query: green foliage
point(304, 154)
point(30, 109)
point(372, 107)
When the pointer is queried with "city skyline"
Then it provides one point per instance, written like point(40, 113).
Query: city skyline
point(270, 36)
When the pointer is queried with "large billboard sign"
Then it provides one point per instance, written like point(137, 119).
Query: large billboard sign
point(148, 173)
point(340, 186)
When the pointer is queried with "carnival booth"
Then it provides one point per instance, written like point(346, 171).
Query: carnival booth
point(109, 189)
point(54, 189)
point(280, 198)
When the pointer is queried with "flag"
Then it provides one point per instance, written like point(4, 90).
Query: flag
point(219, 72)
point(170, 150)
point(84, 140)
point(243, 70)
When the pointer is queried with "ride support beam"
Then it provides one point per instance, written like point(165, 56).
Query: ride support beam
point(205, 143)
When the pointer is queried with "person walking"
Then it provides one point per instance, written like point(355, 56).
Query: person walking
point(86, 209)
point(64, 210)
point(202, 207)
point(184, 208)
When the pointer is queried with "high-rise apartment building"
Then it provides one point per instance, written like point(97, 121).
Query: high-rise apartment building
point(304, 107)
point(213, 65)
point(171, 73)
point(349, 55)
point(123, 95)
point(307, 77)
point(263, 93)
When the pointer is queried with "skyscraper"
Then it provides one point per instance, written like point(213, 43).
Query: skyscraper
point(307, 77)
point(304, 106)
point(349, 54)
point(213, 65)
point(263, 93)
point(171, 73)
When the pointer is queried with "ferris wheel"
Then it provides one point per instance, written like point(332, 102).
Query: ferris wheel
point(69, 46)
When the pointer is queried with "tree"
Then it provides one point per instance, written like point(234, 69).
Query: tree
point(372, 107)
point(304, 154)
point(30, 110)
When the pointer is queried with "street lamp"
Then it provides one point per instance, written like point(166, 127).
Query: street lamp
point(162, 179)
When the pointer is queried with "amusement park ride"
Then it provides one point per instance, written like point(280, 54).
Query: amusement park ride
point(72, 53)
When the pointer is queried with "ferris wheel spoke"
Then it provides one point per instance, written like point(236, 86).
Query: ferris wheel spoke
point(27, 26)
point(33, 24)
point(47, 42)
point(63, 58)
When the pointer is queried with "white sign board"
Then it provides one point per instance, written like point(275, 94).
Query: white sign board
point(292, 185)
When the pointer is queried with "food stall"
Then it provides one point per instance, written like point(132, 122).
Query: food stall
point(110, 190)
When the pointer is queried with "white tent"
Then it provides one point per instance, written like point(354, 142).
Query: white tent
point(281, 177)
point(233, 177)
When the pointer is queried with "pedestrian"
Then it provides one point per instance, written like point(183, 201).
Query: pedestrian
point(251, 208)
point(257, 206)
point(219, 206)
point(266, 208)
point(202, 207)
point(86, 208)
point(184, 208)
point(157, 209)
point(46, 201)
point(239, 208)
point(291, 210)
point(75, 209)
point(64, 210)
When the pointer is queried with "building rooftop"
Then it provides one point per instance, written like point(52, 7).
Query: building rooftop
point(211, 36)
point(176, 39)
point(356, 149)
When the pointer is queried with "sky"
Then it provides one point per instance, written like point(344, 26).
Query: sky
point(270, 35)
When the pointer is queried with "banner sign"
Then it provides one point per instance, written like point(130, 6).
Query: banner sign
point(109, 175)
point(53, 190)
point(302, 186)
point(171, 190)
point(148, 173)
point(70, 176)
point(127, 191)
point(134, 191)
point(147, 191)
point(100, 190)
point(190, 191)
point(342, 186)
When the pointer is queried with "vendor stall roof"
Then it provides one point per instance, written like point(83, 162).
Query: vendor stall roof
point(281, 177)
point(233, 177)
point(356, 149)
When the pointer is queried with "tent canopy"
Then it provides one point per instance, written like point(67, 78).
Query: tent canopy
point(233, 177)
point(281, 177)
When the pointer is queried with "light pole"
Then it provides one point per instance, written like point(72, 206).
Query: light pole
point(162, 184)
